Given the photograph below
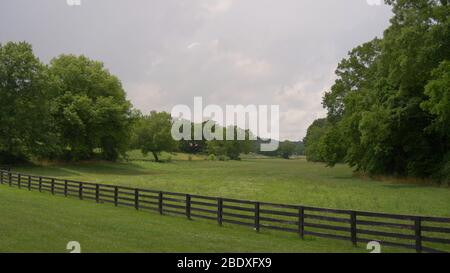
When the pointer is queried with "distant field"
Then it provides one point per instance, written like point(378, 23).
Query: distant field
point(39, 222)
point(273, 180)
point(137, 155)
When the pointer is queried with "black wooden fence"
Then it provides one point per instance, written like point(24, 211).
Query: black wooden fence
point(422, 233)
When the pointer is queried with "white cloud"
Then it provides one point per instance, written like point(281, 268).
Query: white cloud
point(227, 51)
point(251, 66)
point(217, 6)
point(147, 97)
point(192, 45)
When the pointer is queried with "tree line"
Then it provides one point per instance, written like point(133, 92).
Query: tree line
point(152, 134)
point(389, 108)
point(74, 109)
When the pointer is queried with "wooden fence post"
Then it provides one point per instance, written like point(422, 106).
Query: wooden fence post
point(418, 233)
point(65, 188)
point(29, 182)
point(257, 227)
point(18, 181)
point(301, 222)
point(97, 193)
point(80, 191)
point(116, 196)
point(1, 176)
point(219, 211)
point(10, 179)
point(353, 227)
point(160, 202)
point(40, 183)
point(188, 206)
point(53, 186)
point(136, 199)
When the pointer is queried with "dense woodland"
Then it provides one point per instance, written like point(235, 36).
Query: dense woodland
point(389, 108)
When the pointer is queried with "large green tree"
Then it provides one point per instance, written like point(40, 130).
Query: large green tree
point(90, 109)
point(25, 124)
point(388, 109)
point(312, 139)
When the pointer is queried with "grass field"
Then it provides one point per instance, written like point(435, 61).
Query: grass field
point(33, 221)
point(39, 222)
point(272, 180)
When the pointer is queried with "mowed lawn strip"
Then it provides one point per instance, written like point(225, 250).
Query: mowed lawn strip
point(40, 222)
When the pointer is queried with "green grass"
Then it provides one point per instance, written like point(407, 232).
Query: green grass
point(32, 221)
point(164, 156)
point(272, 180)
point(39, 222)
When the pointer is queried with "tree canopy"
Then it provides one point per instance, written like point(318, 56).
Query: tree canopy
point(72, 108)
point(153, 134)
point(90, 109)
point(388, 110)
point(24, 92)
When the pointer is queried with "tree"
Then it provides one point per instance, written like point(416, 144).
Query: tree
point(312, 139)
point(388, 109)
point(299, 148)
point(194, 146)
point(90, 109)
point(286, 149)
point(154, 134)
point(232, 148)
point(25, 125)
point(438, 103)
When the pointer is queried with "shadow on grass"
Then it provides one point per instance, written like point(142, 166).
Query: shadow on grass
point(83, 168)
point(403, 186)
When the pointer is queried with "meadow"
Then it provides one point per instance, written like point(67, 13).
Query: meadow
point(33, 221)
point(274, 180)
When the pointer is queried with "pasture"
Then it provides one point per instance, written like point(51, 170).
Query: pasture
point(272, 180)
point(35, 221)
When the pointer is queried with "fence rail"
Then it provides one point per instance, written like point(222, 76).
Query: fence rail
point(421, 233)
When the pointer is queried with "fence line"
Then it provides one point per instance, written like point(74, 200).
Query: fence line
point(406, 231)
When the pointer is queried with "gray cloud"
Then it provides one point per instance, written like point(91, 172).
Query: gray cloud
point(228, 51)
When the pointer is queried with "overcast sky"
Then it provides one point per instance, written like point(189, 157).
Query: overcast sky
point(228, 51)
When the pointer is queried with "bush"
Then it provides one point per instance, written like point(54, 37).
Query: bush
point(223, 158)
point(211, 157)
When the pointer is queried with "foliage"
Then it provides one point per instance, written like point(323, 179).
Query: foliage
point(388, 111)
point(231, 148)
point(312, 139)
point(69, 109)
point(25, 124)
point(154, 133)
point(90, 109)
point(193, 146)
point(286, 149)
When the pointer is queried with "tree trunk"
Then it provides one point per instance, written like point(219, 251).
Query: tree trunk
point(155, 155)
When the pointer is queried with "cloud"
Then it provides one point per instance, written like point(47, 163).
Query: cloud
point(192, 45)
point(229, 52)
point(147, 97)
point(217, 6)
